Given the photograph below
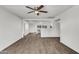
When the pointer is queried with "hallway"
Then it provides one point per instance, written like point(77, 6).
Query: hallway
point(33, 44)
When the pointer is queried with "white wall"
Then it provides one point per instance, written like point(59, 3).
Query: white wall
point(10, 28)
point(25, 28)
point(70, 28)
point(53, 32)
point(32, 27)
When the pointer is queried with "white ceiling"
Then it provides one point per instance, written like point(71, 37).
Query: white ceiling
point(21, 11)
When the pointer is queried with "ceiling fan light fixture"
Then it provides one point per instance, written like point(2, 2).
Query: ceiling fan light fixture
point(36, 12)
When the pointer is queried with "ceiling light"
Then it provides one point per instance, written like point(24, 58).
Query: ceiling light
point(36, 12)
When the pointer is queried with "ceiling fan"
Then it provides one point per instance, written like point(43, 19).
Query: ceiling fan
point(37, 10)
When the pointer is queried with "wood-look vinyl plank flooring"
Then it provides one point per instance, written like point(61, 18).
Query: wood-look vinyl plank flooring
point(34, 44)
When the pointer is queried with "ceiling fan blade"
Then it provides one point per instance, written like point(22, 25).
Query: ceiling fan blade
point(40, 7)
point(30, 12)
point(29, 7)
point(44, 11)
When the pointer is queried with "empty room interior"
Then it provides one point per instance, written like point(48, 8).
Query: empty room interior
point(39, 29)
